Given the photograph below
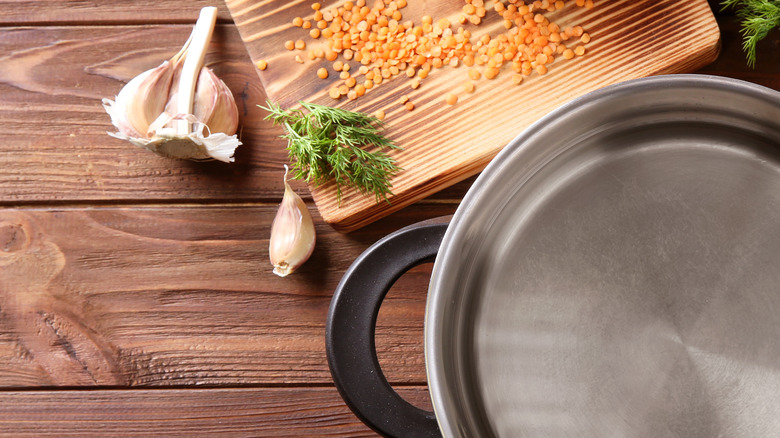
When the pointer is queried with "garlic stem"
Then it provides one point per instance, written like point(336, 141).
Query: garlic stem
point(193, 62)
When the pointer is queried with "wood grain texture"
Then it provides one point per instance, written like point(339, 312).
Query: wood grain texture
point(41, 12)
point(445, 144)
point(181, 296)
point(261, 412)
point(54, 145)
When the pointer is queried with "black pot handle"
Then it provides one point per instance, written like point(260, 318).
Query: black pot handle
point(351, 326)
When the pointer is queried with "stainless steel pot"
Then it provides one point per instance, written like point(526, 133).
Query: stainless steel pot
point(612, 272)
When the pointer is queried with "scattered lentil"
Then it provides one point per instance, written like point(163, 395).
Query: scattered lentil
point(384, 46)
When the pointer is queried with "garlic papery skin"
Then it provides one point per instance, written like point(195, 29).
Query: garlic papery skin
point(179, 109)
point(292, 233)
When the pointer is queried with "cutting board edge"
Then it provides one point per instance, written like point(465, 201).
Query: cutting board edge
point(349, 223)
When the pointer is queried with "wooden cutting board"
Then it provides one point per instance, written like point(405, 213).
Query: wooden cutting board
point(444, 144)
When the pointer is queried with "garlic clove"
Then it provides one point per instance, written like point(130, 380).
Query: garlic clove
point(117, 109)
point(180, 109)
point(214, 104)
point(151, 96)
point(142, 100)
point(292, 233)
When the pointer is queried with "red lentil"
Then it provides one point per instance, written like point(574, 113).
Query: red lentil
point(384, 46)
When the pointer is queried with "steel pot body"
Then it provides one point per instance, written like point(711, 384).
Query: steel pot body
point(612, 272)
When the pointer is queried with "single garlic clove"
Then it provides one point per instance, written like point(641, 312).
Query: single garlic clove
point(118, 109)
point(142, 100)
point(151, 96)
point(214, 104)
point(292, 233)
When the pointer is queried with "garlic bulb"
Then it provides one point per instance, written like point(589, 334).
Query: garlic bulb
point(292, 233)
point(179, 109)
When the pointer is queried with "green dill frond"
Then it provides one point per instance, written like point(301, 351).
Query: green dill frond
point(758, 17)
point(333, 144)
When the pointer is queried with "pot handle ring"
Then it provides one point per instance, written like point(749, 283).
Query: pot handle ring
point(351, 324)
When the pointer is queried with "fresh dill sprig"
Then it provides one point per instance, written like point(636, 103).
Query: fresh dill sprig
point(759, 17)
point(326, 143)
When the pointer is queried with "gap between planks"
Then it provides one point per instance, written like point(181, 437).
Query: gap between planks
point(175, 203)
point(105, 23)
point(249, 386)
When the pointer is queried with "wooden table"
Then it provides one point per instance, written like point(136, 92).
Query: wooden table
point(136, 296)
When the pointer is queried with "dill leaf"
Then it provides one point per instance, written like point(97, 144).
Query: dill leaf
point(326, 143)
point(759, 17)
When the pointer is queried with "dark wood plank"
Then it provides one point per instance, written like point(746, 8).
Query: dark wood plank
point(400, 326)
point(54, 144)
point(38, 12)
point(266, 412)
point(166, 296)
point(731, 60)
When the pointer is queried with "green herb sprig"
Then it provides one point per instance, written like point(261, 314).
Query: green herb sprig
point(759, 17)
point(327, 143)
